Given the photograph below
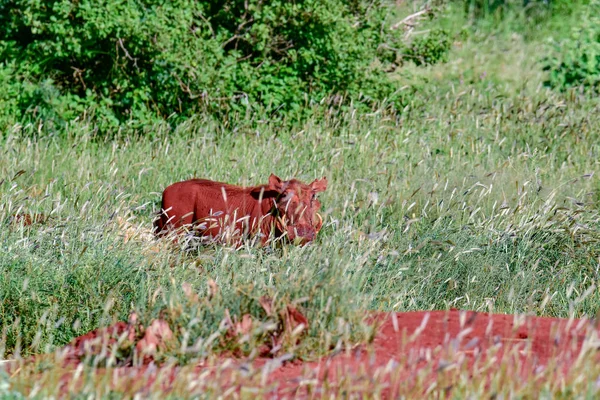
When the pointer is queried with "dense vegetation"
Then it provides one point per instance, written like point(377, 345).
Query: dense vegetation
point(141, 61)
point(574, 61)
point(461, 149)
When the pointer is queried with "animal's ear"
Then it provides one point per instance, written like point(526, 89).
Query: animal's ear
point(319, 185)
point(275, 183)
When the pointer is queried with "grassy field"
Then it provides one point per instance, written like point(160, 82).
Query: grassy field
point(483, 195)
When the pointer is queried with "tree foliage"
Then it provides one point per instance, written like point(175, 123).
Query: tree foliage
point(575, 60)
point(134, 60)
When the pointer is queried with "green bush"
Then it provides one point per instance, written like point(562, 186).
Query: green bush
point(430, 49)
point(575, 61)
point(134, 61)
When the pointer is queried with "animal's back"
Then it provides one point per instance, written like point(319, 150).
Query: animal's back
point(181, 200)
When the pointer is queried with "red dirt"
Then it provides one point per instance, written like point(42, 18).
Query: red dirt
point(442, 341)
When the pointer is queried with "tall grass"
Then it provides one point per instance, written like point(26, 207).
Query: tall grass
point(467, 202)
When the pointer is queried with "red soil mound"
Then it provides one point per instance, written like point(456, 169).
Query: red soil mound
point(409, 350)
point(423, 344)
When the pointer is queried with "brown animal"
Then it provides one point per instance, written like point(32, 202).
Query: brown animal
point(223, 211)
point(27, 219)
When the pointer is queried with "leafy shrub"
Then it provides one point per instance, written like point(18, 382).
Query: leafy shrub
point(430, 49)
point(131, 61)
point(575, 61)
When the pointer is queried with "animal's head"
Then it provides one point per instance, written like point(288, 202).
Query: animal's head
point(298, 207)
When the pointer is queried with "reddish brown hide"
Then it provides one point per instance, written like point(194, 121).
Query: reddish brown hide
point(223, 211)
point(28, 219)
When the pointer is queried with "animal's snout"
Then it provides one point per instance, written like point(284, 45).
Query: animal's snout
point(305, 233)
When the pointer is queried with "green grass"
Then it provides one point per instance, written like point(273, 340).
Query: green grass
point(483, 195)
